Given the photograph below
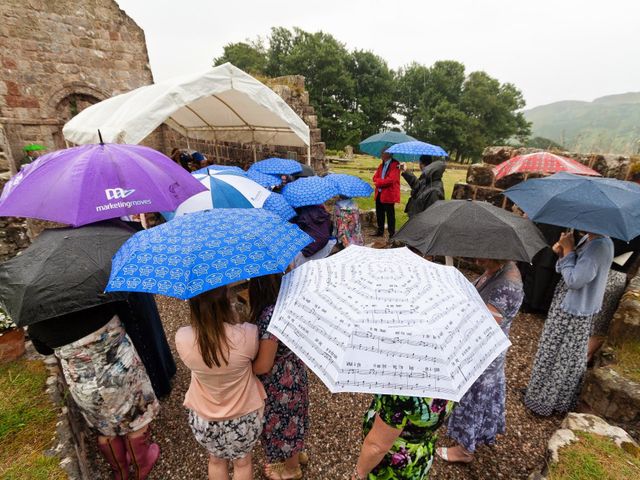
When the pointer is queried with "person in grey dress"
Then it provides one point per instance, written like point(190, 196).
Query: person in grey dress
point(481, 414)
point(561, 360)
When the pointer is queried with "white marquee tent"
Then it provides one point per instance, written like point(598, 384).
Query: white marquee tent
point(224, 104)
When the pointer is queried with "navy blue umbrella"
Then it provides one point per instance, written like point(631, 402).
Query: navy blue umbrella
point(205, 250)
point(375, 144)
point(598, 205)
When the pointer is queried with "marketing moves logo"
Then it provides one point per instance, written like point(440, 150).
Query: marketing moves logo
point(117, 194)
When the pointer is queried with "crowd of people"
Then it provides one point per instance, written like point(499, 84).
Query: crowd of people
point(246, 386)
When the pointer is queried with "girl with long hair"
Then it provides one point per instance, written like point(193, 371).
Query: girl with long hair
point(225, 399)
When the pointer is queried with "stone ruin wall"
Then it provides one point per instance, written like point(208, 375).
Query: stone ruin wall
point(481, 185)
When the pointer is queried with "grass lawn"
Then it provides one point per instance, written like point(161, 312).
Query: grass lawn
point(27, 423)
point(594, 457)
point(365, 166)
point(628, 360)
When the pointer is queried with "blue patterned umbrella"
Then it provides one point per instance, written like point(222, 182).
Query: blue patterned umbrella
point(277, 204)
point(205, 250)
point(349, 185)
point(309, 191)
point(413, 150)
point(264, 179)
point(375, 144)
point(277, 166)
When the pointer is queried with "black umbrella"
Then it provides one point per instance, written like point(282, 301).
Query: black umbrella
point(466, 228)
point(64, 270)
point(307, 171)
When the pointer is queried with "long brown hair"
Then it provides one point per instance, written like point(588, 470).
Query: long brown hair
point(209, 312)
point(263, 291)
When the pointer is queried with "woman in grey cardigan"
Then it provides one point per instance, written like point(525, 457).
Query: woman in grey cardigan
point(561, 360)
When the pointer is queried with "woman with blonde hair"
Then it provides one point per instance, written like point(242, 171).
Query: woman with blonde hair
point(225, 399)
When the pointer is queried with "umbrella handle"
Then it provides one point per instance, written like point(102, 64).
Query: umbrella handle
point(100, 137)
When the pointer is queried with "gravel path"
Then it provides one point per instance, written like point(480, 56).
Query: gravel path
point(335, 436)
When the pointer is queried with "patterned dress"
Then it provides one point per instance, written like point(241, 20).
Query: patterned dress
point(411, 455)
point(347, 223)
point(286, 412)
point(108, 381)
point(481, 414)
point(561, 360)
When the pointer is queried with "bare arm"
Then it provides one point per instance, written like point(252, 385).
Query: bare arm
point(263, 362)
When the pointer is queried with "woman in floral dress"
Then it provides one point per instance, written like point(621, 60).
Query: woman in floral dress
point(285, 380)
point(405, 428)
point(481, 414)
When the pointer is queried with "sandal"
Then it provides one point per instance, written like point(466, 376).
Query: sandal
point(279, 471)
point(303, 458)
point(443, 453)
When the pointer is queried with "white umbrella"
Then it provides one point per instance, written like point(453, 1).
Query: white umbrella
point(387, 322)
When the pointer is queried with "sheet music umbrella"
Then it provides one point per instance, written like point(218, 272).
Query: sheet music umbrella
point(387, 322)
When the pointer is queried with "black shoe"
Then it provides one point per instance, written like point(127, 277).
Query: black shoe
point(378, 234)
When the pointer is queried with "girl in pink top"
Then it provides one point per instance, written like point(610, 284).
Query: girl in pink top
point(225, 399)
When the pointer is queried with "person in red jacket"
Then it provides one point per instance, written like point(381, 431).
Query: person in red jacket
point(387, 193)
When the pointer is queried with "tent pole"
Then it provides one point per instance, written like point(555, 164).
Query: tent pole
point(255, 158)
point(309, 155)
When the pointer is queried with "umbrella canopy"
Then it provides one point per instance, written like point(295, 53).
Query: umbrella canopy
point(598, 205)
point(307, 171)
point(543, 162)
point(375, 144)
point(387, 322)
point(277, 166)
point(264, 179)
point(63, 271)
point(205, 250)
point(466, 228)
point(34, 147)
point(309, 191)
point(349, 185)
point(228, 189)
point(223, 104)
point(218, 168)
point(90, 183)
point(413, 150)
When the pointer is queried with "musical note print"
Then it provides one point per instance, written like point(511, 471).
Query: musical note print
point(387, 322)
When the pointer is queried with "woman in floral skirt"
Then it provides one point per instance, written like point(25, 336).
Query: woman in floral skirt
point(405, 428)
point(481, 414)
point(285, 380)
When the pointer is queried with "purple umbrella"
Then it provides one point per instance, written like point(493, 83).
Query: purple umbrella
point(90, 183)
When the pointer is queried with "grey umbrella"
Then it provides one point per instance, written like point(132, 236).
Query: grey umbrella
point(466, 228)
point(65, 270)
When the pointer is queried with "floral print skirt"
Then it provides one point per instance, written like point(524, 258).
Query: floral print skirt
point(286, 408)
point(561, 360)
point(108, 381)
point(228, 439)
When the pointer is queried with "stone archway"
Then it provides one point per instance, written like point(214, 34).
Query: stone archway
point(67, 102)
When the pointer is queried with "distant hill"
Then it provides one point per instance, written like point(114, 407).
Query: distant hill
point(609, 124)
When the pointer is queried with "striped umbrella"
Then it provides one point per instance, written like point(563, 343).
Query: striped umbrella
point(233, 190)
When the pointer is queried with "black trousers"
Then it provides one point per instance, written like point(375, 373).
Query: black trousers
point(387, 209)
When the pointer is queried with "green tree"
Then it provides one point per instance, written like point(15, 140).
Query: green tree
point(280, 45)
point(374, 92)
point(249, 56)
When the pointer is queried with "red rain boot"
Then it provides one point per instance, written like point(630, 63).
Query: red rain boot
point(143, 455)
point(116, 454)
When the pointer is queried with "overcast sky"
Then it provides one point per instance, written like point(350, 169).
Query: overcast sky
point(551, 49)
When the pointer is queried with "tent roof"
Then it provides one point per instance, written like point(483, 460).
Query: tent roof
point(224, 104)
